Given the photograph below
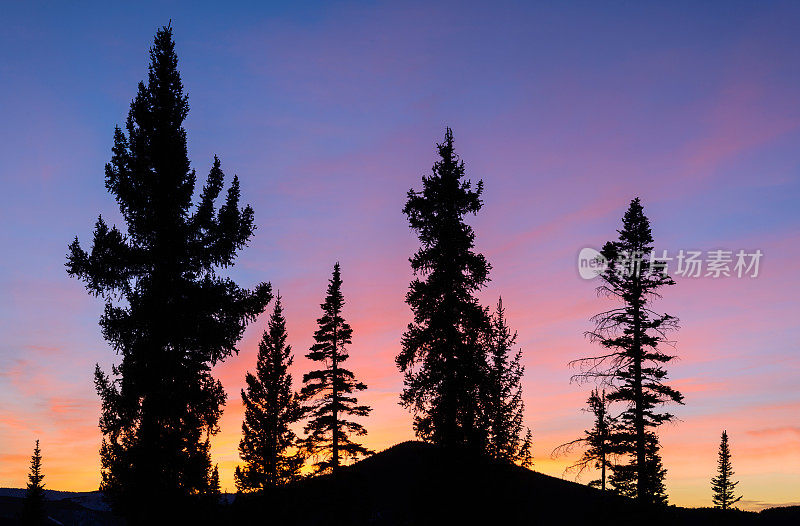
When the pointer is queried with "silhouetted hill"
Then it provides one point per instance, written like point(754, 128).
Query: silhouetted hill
point(418, 484)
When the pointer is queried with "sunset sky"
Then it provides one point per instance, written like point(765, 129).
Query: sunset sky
point(330, 112)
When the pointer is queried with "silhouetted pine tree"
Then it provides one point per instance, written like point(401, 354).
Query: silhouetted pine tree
point(33, 511)
point(597, 442)
point(330, 391)
point(723, 485)
point(599, 450)
point(633, 336)
point(444, 353)
point(502, 397)
point(525, 457)
point(169, 314)
point(269, 446)
point(213, 485)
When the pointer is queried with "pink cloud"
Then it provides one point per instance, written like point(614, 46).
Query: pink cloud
point(775, 431)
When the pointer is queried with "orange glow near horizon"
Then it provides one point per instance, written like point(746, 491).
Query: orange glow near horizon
point(566, 113)
point(765, 454)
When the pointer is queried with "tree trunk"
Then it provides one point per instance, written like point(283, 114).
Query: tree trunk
point(335, 376)
point(641, 477)
point(603, 471)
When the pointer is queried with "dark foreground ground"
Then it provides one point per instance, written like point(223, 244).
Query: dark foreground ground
point(418, 484)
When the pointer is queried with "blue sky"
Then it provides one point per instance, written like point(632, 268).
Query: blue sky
point(329, 112)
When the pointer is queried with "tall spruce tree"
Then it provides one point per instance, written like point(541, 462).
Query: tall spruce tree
point(169, 313)
point(632, 366)
point(597, 442)
point(330, 391)
point(269, 445)
point(33, 512)
point(503, 407)
point(443, 354)
point(723, 484)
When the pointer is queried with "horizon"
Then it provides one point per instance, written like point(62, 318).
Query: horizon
point(329, 115)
